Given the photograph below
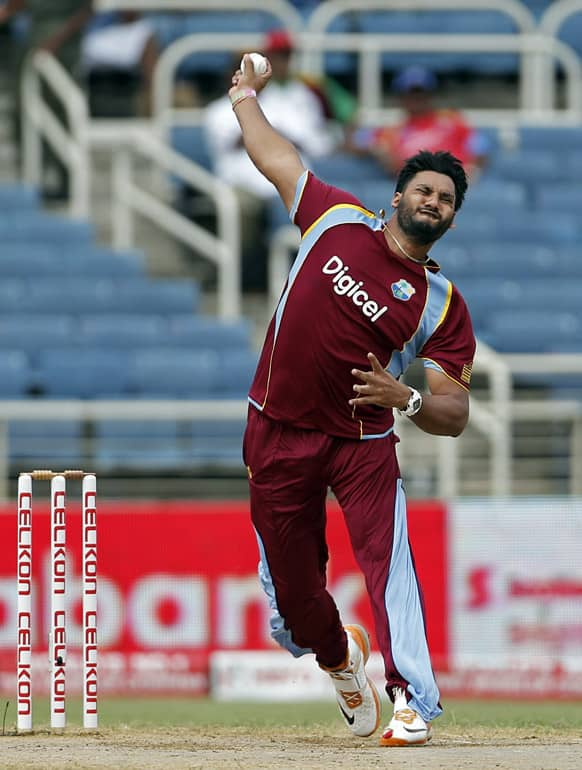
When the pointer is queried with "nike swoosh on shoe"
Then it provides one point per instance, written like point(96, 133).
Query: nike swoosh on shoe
point(349, 719)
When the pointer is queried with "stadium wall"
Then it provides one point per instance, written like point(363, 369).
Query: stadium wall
point(181, 611)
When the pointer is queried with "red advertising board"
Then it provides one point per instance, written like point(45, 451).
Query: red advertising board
point(178, 580)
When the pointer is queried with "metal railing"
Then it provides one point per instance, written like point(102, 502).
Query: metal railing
point(494, 417)
point(31, 410)
point(327, 12)
point(40, 123)
point(285, 12)
point(556, 14)
point(74, 144)
point(537, 95)
point(129, 199)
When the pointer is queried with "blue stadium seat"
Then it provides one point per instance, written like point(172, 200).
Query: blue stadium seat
point(470, 227)
point(136, 445)
point(22, 259)
point(190, 141)
point(491, 195)
point(480, 22)
point(374, 195)
point(537, 7)
point(11, 295)
point(341, 62)
point(174, 373)
point(105, 263)
point(571, 31)
point(528, 166)
point(572, 165)
point(122, 330)
point(536, 331)
point(101, 295)
point(550, 138)
point(499, 259)
point(484, 295)
point(164, 295)
point(198, 331)
point(17, 197)
point(217, 442)
point(235, 373)
point(71, 295)
point(560, 197)
point(442, 22)
point(343, 169)
point(548, 228)
point(15, 374)
point(171, 28)
point(406, 23)
point(44, 228)
point(82, 373)
point(31, 333)
point(41, 442)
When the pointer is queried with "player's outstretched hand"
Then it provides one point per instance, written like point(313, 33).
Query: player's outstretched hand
point(379, 387)
point(250, 79)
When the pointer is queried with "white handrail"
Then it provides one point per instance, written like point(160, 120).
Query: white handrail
point(165, 71)
point(39, 122)
point(286, 13)
point(535, 100)
point(223, 249)
point(25, 410)
point(326, 12)
point(548, 363)
point(73, 144)
point(549, 24)
point(446, 451)
point(555, 15)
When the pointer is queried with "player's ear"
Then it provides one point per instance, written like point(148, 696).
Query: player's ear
point(396, 200)
point(453, 225)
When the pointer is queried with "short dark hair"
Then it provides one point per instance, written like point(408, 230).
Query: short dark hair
point(443, 163)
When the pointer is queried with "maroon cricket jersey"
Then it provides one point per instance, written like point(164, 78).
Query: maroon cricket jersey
point(347, 295)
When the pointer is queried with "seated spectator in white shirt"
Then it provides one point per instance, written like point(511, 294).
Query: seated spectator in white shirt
point(123, 43)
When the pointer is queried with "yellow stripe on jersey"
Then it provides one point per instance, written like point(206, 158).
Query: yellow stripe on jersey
point(337, 207)
point(446, 306)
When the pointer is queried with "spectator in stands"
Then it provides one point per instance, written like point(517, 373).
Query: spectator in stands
point(118, 57)
point(55, 27)
point(423, 127)
point(287, 99)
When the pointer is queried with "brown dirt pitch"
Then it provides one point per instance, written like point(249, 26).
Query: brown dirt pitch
point(201, 735)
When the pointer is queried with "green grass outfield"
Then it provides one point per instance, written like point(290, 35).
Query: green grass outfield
point(563, 716)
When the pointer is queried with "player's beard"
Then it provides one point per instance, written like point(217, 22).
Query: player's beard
point(421, 231)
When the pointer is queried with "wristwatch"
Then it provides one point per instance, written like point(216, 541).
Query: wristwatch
point(414, 404)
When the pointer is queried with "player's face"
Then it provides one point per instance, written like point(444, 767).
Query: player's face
point(426, 207)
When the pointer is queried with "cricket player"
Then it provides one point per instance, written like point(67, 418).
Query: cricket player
point(362, 301)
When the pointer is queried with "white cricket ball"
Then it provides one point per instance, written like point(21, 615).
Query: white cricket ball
point(259, 63)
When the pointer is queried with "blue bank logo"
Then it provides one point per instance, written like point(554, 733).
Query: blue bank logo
point(403, 290)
